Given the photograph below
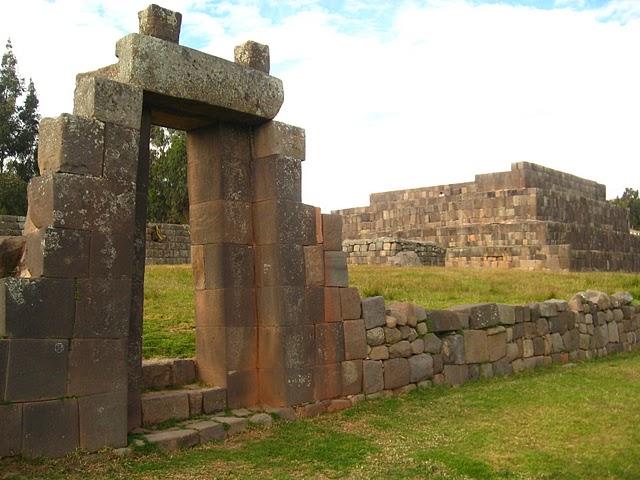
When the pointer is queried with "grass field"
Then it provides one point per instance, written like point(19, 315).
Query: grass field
point(555, 423)
point(169, 311)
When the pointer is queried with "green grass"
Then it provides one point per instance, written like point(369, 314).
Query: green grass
point(555, 423)
point(169, 329)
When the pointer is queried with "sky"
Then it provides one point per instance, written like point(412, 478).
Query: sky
point(395, 94)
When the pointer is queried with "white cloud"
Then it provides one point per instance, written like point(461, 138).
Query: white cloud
point(448, 90)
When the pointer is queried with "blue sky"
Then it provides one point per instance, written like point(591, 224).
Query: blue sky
point(396, 94)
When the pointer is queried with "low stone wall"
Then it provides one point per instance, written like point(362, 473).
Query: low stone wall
point(11, 225)
point(168, 244)
point(393, 251)
point(407, 346)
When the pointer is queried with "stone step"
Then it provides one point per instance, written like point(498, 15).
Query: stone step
point(180, 404)
point(164, 373)
point(213, 428)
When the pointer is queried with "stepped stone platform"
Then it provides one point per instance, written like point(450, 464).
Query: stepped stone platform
point(530, 217)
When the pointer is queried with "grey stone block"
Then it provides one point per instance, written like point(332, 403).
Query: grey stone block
point(50, 428)
point(373, 312)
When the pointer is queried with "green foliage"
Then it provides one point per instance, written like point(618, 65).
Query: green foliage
point(18, 119)
point(168, 197)
point(13, 194)
point(630, 199)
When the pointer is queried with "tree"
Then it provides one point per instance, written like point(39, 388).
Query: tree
point(168, 197)
point(18, 119)
point(630, 199)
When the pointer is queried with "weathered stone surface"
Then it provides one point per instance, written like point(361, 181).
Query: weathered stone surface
point(481, 315)
point(11, 249)
point(234, 425)
point(432, 343)
point(97, 366)
point(109, 101)
point(455, 375)
point(222, 266)
point(160, 23)
point(38, 369)
point(159, 407)
point(372, 376)
point(375, 336)
point(281, 264)
point(400, 349)
point(355, 340)
point(443, 321)
point(71, 144)
point(285, 347)
point(350, 303)
point(281, 387)
point(417, 346)
point(55, 252)
point(392, 335)
point(380, 352)
point(156, 374)
point(421, 367)
point(222, 221)
point(103, 421)
point(405, 313)
point(453, 349)
point(397, 373)
point(373, 312)
point(327, 381)
point(103, 308)
point(332, 305)
point(11, 432)
point(208, 431)
point(332, 232)
point(351, 377)
point(496, 343)
point(37, 308)
point(277, 138)
point(476, 346)
point(329, 343)
point(50, 428)
point(335, 269)
point(624, 298)
point(214, 399)
point(183, 371)
point(277, 177)
point(172, 440)
point(507, 314)
point(254, 55)
point(283, 221)
point(600, 299)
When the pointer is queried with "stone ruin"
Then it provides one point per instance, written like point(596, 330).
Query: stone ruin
point(530, 218)
point(276, 323)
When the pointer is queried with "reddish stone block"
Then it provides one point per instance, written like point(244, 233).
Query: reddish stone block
point(156, 374)
point(214, 399)
point(232, 307)
point(332, 232)
point(121, 155)
point(183, 371)
point(281, 306)
point(283, 221)
point(112, 255)
point(397, 373)
point(277, 177)
point(355, 339)
point(158, 407)
point(277, 138)
point(53, 252)
point(314, 305)
point(284, 387)
point(11, 431)
point(103, 421)
point(221, 221)
point(242, 389)
point(281, 264)
point(351, 377)
point(71, 144)
point(97, 366)
point(220, 350)
point(318, 221)
point(329, 343)
point(350, 303)
point(332, 305)
point(38, 369)
point(50, 429)
point(222, 266)
point(37, 308)
point(327, 381)
point(335, 269)
point(372, 376)
point(103, 308)
point(286, 347)
point(314, 265)
point(219, 164)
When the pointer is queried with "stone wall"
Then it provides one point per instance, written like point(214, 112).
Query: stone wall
point(168, 244)
point(11, 225)
point(393, 251)
point(531, 217)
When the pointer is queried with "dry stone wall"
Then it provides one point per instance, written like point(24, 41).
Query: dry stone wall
point(11, 225)
point(531, 217)
point(393, 251)
point(168, 244)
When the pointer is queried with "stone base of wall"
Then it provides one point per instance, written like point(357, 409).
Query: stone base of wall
point(11, 225)
point(168, 244)
point(393, 251)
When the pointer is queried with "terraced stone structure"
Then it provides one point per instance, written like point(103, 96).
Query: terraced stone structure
point(530, 217)
point(268, 273)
